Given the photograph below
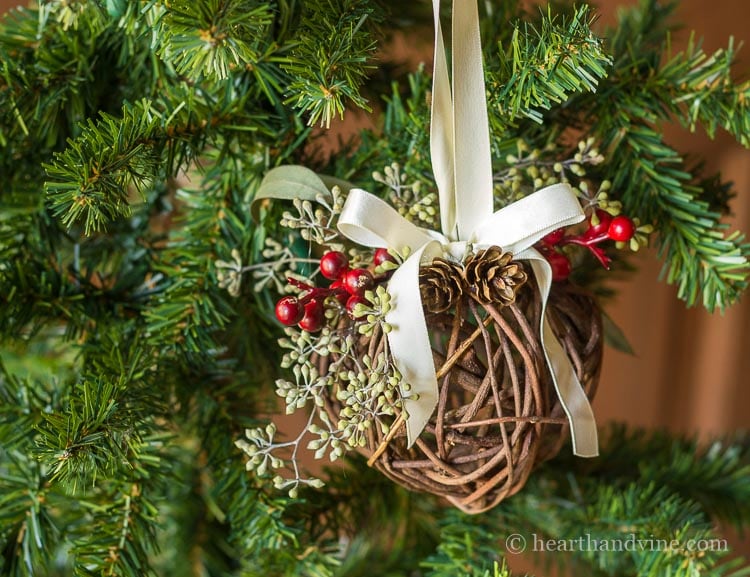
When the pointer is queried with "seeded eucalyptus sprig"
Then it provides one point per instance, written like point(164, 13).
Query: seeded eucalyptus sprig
point(316, 222)
point(369, 389)
point(530, 169)
point(410, 200)
point(327, 356)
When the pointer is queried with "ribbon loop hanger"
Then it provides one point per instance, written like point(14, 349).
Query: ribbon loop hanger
point(459, 128)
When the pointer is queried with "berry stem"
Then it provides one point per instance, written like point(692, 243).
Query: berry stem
point(582, 241)
point(590, 243)
point(315, 293)
point(299, 284)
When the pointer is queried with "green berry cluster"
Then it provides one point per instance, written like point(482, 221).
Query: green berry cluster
point(348, 385)
point(333, 365)
point(316, 223)
point(410, 200)
point(530, 169)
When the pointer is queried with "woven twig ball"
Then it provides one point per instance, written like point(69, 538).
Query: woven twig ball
point(498, 414)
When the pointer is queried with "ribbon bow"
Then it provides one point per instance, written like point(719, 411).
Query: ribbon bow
point(461, 162)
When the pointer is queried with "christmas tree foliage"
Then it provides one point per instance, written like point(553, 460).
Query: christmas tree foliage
point(136, 314)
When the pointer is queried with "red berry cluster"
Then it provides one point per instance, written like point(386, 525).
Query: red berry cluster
point(348, 288)
point(618, 228)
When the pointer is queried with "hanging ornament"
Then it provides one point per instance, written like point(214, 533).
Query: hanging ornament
point(455, 360)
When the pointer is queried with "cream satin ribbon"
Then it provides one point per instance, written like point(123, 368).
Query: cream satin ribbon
point(461, 161)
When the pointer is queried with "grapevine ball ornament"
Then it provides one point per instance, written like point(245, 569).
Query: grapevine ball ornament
point(493, 363)
point(497, 414)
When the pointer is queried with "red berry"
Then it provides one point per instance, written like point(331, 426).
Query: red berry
point(382, 255)
point(352, 302)
point(554, 237)
point(358, 280)
point(621, 229)
point(289, 311)
point(596, 230)
point(561, 266)
point(314, 317)
point(339, 291)
point(334, 264)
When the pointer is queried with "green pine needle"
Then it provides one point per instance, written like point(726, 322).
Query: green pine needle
point(213, 38)
point(542, 67)
point(337, 37)
point(91, 181)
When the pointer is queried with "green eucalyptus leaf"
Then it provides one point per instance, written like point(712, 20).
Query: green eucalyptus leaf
point(287, 183)
point(615, 337)
point(295, 181)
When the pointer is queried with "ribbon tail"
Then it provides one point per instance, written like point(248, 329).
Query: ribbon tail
point(572, 397)
point(409, 342)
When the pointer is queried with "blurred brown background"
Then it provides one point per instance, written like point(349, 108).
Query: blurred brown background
point(690, 373)
point(691, 369)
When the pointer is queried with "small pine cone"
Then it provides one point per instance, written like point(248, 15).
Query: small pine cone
point(492, 277)
point(441, 285)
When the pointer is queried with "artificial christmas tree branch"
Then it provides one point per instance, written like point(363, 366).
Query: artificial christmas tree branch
point(128, 368)
point(543, 66)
